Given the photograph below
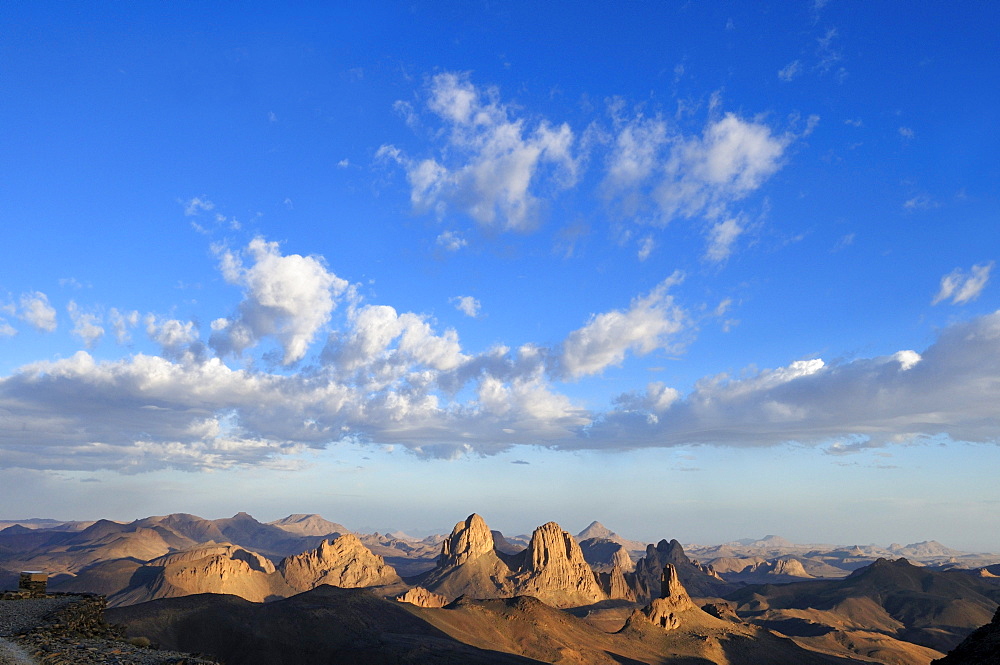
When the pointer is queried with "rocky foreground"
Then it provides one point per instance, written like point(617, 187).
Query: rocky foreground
point(70, 629)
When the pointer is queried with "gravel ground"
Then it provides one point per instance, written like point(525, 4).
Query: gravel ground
point(11, 654)
point(18, 616)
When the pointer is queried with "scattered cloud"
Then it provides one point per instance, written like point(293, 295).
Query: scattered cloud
point(650, 323)
point(961, 287)
point(7, 330)
point(467, 305)
point(705, 174)
point(86, 325)
point(827, 52)
point(451, 241)
point(491, 164)
point(906, 132)
point(122, 322)
point(36, 310)
point(721, 238)
point(844, 242)
point(920, 202)
point(790, 71)
point(197, 205)
point(71, 283)
point(646, 246)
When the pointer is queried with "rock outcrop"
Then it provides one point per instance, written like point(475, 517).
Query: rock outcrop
point(470, 539)
point(667, 610)
point(421, 597)
point(603, 554)
point(222, 568)
point(555, 571)
point(700, 580)
point(469, 565)
point(615, 585)
point(343, 562)
point(552, 568)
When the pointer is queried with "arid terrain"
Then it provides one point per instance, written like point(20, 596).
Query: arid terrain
point(304, 589)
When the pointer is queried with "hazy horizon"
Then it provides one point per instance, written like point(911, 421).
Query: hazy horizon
point(696, 271)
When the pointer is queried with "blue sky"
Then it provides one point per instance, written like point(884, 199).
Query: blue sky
point(697, 270)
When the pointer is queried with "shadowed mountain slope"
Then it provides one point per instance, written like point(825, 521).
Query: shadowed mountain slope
point(982, 647)
point(332, 625)
point(324, 625)
point(888, 606)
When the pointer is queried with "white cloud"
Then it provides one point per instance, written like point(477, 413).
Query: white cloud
point(287, 298)
point(920, 202)
point(649, 324)
point(646, 246)
point(491, 165)
point(634, 158)
point(7, 330)
point(197, 205)
point(122, 322)
point(389, 344)
point(148, 412)
point(85, 324)
point(467, 305)
point(721, 238)
point(949, 390)
point(656, 173)
point(36, 310)
point(176, 338)
point(844, 242)
point(906, 132)
point(790, 71)
point(731, 159)
point(961, 287)
point(451, 241)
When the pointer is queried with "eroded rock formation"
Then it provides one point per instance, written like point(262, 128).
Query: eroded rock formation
point(555, 571)
point(344, 562)
point(421, 597)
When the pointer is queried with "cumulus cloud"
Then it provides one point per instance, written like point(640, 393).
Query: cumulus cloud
point(949, 390)
point(467, 305)
point(148, 412)
point(961, 287)
point(491, 165)
point(657, 173)
point(36, 310)
point(85, 324)
point(7, 330)
point(287, 298)
point(729, 160)
point(388, 344)
point(649, 323)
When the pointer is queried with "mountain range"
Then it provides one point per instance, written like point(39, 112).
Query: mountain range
point(581, 596)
